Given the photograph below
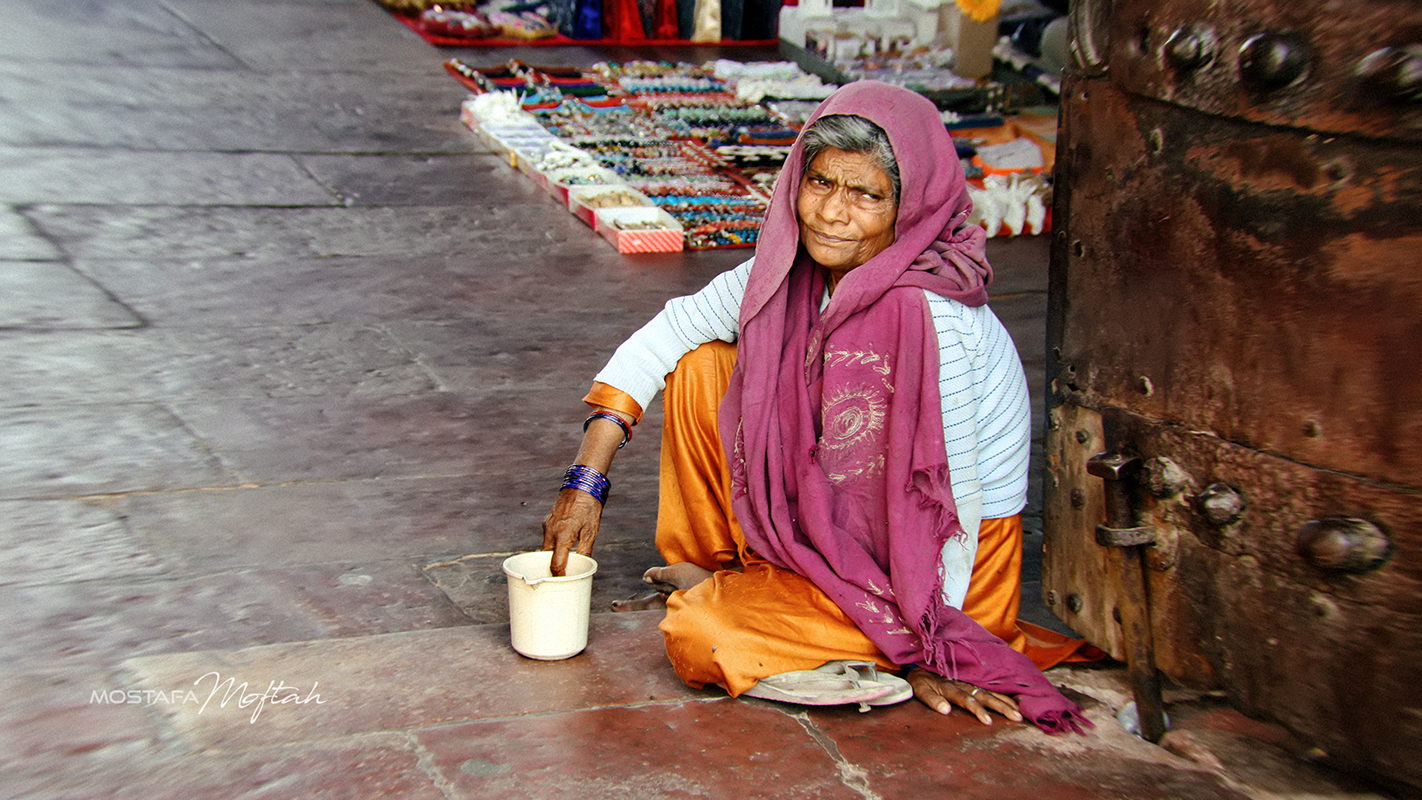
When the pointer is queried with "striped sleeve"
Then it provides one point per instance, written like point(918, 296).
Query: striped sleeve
point(641, 364)
point(987, 414)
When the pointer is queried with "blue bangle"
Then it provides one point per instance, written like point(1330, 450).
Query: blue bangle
point(626, 429)
point(587, 479)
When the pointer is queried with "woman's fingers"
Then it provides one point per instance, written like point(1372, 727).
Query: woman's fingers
point(572, 523)
point(972, 698)
point(941, 694)
point(979, 701)
point(1002, 704)
point(928, 688)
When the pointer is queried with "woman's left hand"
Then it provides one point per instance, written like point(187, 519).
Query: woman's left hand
point(941, 694)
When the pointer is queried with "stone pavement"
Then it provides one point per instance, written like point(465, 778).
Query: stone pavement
point(290, 362)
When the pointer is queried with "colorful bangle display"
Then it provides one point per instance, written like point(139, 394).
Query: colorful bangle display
point(587, 479)
point(626, 429)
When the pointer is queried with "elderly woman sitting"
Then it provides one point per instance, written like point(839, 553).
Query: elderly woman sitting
point(844, 482)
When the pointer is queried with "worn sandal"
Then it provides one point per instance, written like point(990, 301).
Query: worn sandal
point(832, 684)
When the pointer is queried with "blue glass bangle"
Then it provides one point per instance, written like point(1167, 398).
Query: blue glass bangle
point(587, 479)
point(626, 429)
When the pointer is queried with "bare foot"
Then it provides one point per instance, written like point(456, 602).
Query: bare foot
point(665, 580)
point(644, 602)
point(675, 577)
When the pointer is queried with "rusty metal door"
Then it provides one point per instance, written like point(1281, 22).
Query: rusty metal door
point(1235, 333)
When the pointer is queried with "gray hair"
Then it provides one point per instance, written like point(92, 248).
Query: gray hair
point(852, 134)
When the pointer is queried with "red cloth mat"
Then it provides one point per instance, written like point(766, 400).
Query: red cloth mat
point(449, 41)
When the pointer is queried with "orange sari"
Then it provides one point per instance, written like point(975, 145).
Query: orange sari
point(753, 619)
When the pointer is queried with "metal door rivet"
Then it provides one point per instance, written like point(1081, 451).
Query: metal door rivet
point(1392, 73)
point(1344, 544)
point(1078, 498)
point(1190, 47)
point(1269, 61)
point(1337, 171)
point(1082, 437)
point(1052, 598)
point(1145, 386)
point(1074, 603)
point(1312, 429)
point(1164, 477)
point(1220, 504)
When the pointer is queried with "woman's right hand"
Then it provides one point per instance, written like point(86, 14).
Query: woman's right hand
point(572, 523)
point(575, 517)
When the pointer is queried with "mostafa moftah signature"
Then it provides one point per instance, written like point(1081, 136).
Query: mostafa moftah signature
point(277, 693)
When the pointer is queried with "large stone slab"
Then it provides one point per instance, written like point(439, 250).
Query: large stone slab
point(412, 519)
point(426, 180)
point(343, 361)
point(517, 348)
point(146, 108)
point(722, 749)
point(488, 301)
point(54, 711)
point(350, 36)
point(344, 687)
point(492, 496)
point(908, 751)
point(98, 449)
point(100, 622)
point(58, 541)
point(107, 232)
point(373, 766)
point(81, 175)
point(112, 32)
point(432, 434)
point(48, 295)
point(229, 292)
point(44, 368)
point(20, 240)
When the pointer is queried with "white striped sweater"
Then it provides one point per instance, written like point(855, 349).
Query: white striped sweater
point(986, 410)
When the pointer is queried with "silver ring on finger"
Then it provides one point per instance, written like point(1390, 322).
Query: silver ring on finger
point(974, 692)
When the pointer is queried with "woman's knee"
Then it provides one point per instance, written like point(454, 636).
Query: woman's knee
point(701, 376)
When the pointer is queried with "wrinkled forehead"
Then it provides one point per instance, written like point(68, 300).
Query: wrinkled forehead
point(856, 170)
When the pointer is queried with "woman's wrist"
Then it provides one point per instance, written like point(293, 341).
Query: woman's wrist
point(586, 479)
point(615, 419)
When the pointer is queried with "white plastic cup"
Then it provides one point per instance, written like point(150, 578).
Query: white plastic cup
point(548, 616)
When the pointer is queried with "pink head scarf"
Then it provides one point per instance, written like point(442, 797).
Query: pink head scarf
point(833, 421)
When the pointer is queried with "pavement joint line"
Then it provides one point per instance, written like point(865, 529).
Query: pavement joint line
point(667, 703)
point(451, 562)
point(470, 557)
point(195, 573)
point(413, 730)
point(245, 486)
point(851, 775)
point(341, 199)
point(424, 759)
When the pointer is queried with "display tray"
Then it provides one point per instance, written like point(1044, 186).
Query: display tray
point(583, 200)
point(621, 227)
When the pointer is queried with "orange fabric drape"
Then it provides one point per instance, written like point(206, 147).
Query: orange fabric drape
point(753, 619)
point(603, 396)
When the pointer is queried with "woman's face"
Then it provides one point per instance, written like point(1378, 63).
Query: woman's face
point(846, 208)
